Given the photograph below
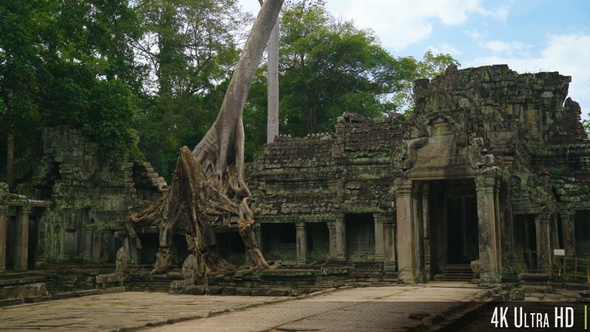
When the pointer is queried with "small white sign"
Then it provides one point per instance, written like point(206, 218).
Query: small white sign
point(558, 252)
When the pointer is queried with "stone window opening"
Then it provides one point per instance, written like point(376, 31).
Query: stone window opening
point(318, 241)
point(279, 242)
point(231, 247)
point(360, 237)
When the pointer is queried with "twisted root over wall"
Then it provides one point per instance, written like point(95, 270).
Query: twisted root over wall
point(197, 201)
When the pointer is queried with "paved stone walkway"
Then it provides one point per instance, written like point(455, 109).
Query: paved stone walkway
point(394, 308)
point(384, 308)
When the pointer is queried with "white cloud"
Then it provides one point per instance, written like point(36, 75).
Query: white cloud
point(445, 48)
point(499, 46)
point(568, 54)
point(475, 34)
point(401, 23)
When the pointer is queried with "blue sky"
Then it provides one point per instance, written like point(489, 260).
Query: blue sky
point(528, 35)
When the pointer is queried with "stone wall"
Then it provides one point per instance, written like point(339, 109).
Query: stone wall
point(514, 141)
point(88, 199)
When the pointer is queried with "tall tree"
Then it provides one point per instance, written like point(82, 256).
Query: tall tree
point(189, 48)
point(66, 62)
point(208, 185)
point(272, 123)
point(329, 66)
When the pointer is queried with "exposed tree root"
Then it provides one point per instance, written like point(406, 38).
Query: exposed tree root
point(208, 185)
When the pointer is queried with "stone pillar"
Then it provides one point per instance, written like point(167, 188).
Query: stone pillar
point(486, 217)
point(301, 238)
point(379, 249)
point(3, 218)
point(418, 231)
point(389, 249)
point(567, 231)
point(258, 234)
point(337, 230)
point(133, 255)
point(22, 238)
point(498, 223)
point(542, 225)
point(87, 255)
point(426, 228)
point(406, 259)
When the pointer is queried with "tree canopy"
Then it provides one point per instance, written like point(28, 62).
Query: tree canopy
point(67, 63)
point(156, 71)
point(329, 66)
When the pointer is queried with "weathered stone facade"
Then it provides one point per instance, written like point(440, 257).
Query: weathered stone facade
point(491, 166)
point(74, 204)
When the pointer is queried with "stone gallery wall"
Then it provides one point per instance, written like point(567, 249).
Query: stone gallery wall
point(513, 140)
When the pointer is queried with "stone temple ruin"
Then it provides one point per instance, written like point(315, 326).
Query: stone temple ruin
point(491, 166)
point(492, 170)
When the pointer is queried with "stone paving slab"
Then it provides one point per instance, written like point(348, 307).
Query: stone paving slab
point(383, 308)
point(393, 308)
point(119, 311)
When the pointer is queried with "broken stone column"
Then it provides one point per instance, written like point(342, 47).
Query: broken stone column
point(488, 242)
point(22, 238)
point(301, 237)
point(542, 223)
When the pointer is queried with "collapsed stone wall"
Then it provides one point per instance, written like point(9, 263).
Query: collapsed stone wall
point(88, 199)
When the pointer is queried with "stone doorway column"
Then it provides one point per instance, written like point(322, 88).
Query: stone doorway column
point(408, 249)
point(301, 238)
point(487, 229)
point(567, 231)
point(3, 218)
point(22, 238)
point(542, 225)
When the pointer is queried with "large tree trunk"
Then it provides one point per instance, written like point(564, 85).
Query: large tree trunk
point(272, 124)
point(208, 185)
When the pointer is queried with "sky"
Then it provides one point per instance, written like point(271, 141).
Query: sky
point(529, 36)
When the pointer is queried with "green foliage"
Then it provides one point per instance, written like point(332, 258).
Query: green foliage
point(67, 62)
point(190, 48)
point(431, 66)
point(327, 67)
point(586, 124)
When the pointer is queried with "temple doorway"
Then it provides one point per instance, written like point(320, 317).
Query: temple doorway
point(453, 233)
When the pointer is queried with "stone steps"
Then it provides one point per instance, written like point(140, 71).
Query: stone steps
point(455, 272)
